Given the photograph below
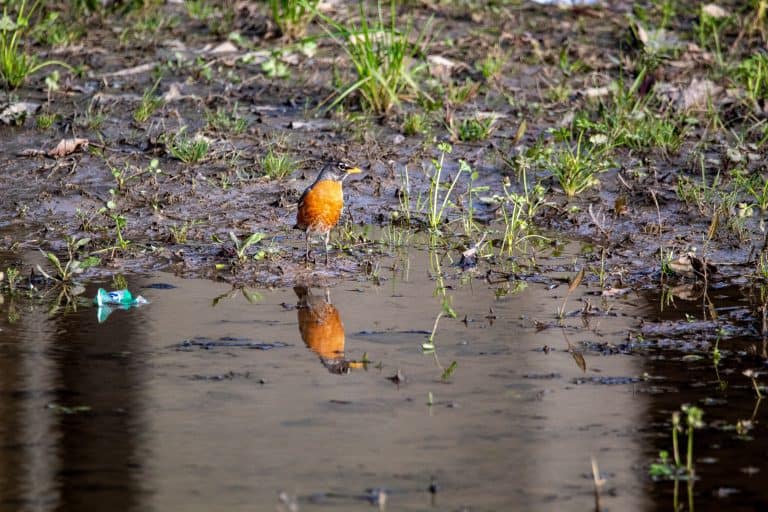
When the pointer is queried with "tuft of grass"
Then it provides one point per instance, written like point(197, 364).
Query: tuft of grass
point(755, 186)
point(276, 165)
point(293, 16)
point(149, 103)
point(629, 121)
point(226, 121)
point(189, 150)
point(415, 123)
point(491, 65)
point(382, 56)
point(45, 120)
point(199, 10)
point(472, 129)
point(440, 192)
point(459, 94)
point(752, 73)
point(575, 167)
point(15, 63)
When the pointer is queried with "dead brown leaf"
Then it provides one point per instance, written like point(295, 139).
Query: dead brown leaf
point(67, 147)
point(576, 281)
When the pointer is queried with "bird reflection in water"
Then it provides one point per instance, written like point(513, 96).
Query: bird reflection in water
point(322, 331)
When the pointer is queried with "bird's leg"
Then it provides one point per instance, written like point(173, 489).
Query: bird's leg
point(306, 254)
point(327, 239)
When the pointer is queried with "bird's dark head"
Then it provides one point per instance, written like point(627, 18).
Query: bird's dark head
point(338, 171)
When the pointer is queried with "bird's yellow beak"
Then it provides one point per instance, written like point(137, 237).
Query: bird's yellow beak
point(354, 170)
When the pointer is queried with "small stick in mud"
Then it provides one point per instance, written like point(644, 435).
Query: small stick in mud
point(599, 482)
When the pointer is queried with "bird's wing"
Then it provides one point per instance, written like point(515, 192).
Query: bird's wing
point(303, 196)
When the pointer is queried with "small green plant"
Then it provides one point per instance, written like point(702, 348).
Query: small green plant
point(755, 185)
point(445, 310)
point(276, 165)
point(663, 468)
point(199, 10)
point(439, 191)
point(226, 121)
point(15, 63)
point(10, 281)
point(491, 65)
point(576, 167)
point(53, 30)
point(120, 224)
point(382, 56)
point(149, 103)
point(473, 129)
point(241, 246)
point(415, 123)
point(752, 375)
point(753, 75)
point(713, 20)
point(190, 150)
point(693, 420)
point(67, 271)
point(666, 468)
point(179, 233)
point(518, 209)
point(45, 120)
point(293, 16)
point(627, 120)
point(459, 94)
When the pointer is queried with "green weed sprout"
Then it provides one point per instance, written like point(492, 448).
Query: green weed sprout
point(189, 150)
point(439, 201)
point(241, 246)
point(576, 167)
point(293, 16)
point(65, 272)
point(382, 56)
point(276, 165)
point(666, 468)
point(15, 63)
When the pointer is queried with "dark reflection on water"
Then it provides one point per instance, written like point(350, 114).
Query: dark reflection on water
point(730, 465)
point(71, 407)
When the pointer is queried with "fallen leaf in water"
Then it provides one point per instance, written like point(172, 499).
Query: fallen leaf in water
point(580, 361)
point(67, 147)
point(576, 281)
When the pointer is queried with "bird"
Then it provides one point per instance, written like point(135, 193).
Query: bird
point(321, 203)
point(321, 329)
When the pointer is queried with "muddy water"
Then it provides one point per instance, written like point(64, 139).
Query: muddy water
point(187, 405)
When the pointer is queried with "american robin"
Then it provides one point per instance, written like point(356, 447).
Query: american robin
point(321, 203)
point(321, 329)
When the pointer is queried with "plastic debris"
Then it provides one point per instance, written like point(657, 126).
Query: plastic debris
point(117, 299)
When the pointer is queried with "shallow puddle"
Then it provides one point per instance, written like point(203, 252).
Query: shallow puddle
point(203, 400)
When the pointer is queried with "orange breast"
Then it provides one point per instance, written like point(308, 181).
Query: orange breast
point(321, 329)
point(320, 208)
